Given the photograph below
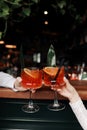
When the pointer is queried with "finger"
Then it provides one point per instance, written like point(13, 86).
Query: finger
point(19, 79)
point(58, 90)
point(53, 88)
point(66, 80)
point(33, 91)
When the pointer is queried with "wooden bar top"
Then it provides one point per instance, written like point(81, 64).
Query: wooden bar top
point(45, 92)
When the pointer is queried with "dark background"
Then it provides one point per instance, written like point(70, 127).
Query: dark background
point(66, 34)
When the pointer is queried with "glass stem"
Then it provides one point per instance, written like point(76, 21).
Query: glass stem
point(30, 104)
point(55, 99)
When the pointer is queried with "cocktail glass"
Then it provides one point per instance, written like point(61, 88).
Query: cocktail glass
point(49, 80)
point(32, 80)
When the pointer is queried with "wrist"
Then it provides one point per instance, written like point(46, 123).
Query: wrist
point(14, 88)
point(74, 98)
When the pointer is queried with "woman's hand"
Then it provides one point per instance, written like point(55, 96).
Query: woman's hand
point(68, 91)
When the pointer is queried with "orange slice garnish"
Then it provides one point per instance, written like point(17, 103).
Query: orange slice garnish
point(51, 71)
point(31, 73)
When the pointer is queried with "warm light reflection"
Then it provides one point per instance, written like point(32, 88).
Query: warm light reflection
point(45, 12)
point(10, 46)
point(37, 57)
point(46, 22)
point(2, 42)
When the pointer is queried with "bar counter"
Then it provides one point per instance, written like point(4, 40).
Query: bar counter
point(45, 93)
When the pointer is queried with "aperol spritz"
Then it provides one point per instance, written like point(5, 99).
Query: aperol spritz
point(32, 80)
point(53, 77)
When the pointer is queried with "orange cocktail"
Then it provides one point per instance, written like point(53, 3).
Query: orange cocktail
point(49, 76)
point(31, 78)
point(54, 78)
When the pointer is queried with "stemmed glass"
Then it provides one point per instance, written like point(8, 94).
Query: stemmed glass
point(53, 77)
point(32, 80)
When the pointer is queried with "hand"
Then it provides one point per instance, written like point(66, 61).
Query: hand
point(17, 84)
point(68, 91)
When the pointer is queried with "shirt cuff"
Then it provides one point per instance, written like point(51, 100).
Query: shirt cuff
point(77, 105)
point(11, 84)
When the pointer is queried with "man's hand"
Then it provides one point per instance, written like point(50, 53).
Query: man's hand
point(17, 85)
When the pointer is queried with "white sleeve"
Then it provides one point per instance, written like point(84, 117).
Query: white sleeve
point(7, 81)
point(80, 112)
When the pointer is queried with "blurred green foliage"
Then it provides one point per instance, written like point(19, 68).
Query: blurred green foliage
point(17, 10)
